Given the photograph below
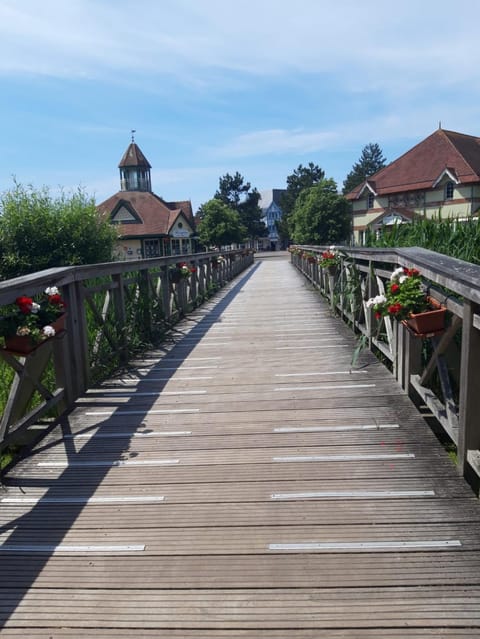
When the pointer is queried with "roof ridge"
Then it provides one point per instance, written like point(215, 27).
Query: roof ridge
point(370, 177)
point(465, 135)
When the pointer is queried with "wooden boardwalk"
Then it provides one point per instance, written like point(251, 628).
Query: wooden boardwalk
point(242, 483)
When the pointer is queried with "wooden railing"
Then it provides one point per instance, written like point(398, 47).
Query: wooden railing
point(442, 371)
point(114, 310)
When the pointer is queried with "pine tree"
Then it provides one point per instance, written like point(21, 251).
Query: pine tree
point(370, 162)
point(239, 196)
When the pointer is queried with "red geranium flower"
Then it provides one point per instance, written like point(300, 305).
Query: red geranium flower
point(394, 288)
point(56, 300)
point(24, 304)
point(394, 308)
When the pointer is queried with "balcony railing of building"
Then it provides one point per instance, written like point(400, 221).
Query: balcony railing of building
point(113, 311)
point(441, 371)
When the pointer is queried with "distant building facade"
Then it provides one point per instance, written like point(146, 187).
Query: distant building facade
point(440, 176)
point(148, 225)
point(272, 212)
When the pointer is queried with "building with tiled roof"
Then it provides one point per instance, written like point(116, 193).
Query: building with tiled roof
point(440, 176)
point(148, 226)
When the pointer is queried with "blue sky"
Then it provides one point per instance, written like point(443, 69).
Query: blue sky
point(217, 86)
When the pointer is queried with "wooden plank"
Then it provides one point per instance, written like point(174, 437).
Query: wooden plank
point(227, 571)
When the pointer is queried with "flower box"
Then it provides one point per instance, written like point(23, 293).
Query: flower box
point(25, 344)
point(175, 276)
point(429, 323)
point(30, 321)
point(330, 260)
point(332, 270)
point(406, 300)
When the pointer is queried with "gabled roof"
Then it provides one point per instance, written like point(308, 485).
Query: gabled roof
point(421, 167)
point(448, 173)
point(368, 185)
point(156, 217)
point(269, 196)
point(390, 215)
point(134, 157)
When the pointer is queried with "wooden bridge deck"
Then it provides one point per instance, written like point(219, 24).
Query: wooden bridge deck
point(242, 483)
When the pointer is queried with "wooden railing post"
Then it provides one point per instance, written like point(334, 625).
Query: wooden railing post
point(120, 316)
point(469, 409)
point(77, 339)
point(411, 360)
point(166, 293)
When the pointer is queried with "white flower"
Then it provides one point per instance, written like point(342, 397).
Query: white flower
point(378, 299)
point(332, 248)
point(402, 278)
point(51, 290)
point(48, 331)
point(396, 274)
point(35, 307)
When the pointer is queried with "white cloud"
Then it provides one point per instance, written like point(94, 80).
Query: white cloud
point(369, 43)
point(276, 141)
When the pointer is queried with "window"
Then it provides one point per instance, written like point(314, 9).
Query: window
point(449, 190)
point(151, 248)
point(370, 201)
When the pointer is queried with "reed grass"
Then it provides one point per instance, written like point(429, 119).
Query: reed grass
point(453, 237)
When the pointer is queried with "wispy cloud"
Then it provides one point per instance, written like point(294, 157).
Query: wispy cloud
point(276, 141)
point(214, 87)
point(192, 39)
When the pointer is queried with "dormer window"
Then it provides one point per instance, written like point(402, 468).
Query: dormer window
point(370, 200)
point(449, 186)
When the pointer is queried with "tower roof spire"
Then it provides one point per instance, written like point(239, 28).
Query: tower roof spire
point(134, 169)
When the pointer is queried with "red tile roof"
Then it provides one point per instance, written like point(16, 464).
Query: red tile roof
point(157, 216)
point(421, 166)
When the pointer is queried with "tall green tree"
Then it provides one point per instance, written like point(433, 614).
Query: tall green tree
point(370, 162)
point(321, 215)
point(240, 197)
point(303, 177)
point(220, 225)
point(39, 231)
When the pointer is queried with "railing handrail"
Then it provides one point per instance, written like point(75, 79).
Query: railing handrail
point(459, 276)
point(62, 275)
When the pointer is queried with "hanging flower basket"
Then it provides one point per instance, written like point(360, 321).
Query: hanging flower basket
point(406, 300)
point(174, 275)
point(330, 261)
point(332, 270)
point(30, 321)
point(26, 344)
point(429, 323)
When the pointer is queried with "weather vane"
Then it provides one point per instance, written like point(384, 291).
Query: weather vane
point(133, 136)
